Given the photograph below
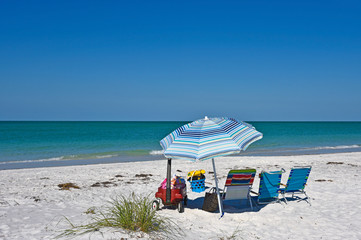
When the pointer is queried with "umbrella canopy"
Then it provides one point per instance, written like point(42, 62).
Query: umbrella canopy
point(208, 138)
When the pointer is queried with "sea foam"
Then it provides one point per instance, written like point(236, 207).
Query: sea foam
point(156, 152)
point(334, 147)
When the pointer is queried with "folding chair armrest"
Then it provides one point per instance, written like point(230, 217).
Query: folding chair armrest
point(221, 191)
point(251, 191)
point(285, 185)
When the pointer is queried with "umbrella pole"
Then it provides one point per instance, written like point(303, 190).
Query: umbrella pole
point(220, 203)
point(168, 190)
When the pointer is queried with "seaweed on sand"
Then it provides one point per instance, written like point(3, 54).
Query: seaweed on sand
point(67, 186)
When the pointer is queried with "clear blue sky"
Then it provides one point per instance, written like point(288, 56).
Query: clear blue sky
point(180, 60)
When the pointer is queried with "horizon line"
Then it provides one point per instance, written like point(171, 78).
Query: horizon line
point(175, 120)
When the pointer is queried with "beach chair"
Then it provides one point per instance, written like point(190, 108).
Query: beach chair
point(238, 185)
point(269, 187)
point(296, 182)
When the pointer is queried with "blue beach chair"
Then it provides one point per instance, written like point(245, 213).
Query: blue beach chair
point(296, 182)
point(238, 185)
point(269, 187)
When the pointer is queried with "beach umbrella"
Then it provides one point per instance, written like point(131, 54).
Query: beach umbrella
point(208, 138)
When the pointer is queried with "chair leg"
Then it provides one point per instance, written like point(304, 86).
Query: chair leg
point(250, 202)
point(255, 202)
point(308, 199)
point(284, 198)
point(279, 200)
point(258, 205)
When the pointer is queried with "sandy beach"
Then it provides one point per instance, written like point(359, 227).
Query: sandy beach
point(96, 96)
point(32, 206)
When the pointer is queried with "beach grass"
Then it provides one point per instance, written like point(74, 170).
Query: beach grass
point(131, 213)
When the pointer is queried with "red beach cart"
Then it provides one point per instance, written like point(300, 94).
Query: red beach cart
point(176, 197)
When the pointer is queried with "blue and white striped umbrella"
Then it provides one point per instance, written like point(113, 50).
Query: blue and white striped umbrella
point(208, 138)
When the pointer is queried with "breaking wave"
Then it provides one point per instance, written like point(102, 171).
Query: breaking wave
point(156, 152)
point(334, 147)
point(128, 153)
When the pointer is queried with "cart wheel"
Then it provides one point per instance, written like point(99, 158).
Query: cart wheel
point(155, 205)
point(185, 201)
point(180, 207)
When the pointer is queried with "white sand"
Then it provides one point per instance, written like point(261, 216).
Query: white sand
point(32, 206)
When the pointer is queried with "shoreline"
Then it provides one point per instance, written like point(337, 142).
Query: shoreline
point(152, 157)
point(33, 207)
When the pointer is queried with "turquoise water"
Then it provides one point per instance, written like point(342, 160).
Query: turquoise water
point(285, 138)
point(42, 144)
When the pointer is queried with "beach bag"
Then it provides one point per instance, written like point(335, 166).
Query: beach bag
point(210, 203)
point(197, 180)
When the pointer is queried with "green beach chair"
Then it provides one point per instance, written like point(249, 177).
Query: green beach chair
point(238, 185)
point(296, 182)
point(269, 187)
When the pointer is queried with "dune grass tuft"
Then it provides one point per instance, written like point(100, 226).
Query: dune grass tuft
point(132, 214)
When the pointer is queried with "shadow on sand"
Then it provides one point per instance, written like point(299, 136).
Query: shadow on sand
point(229, 206)
point(237, 206)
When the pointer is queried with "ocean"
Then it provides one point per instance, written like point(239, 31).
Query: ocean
point(44, 144)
